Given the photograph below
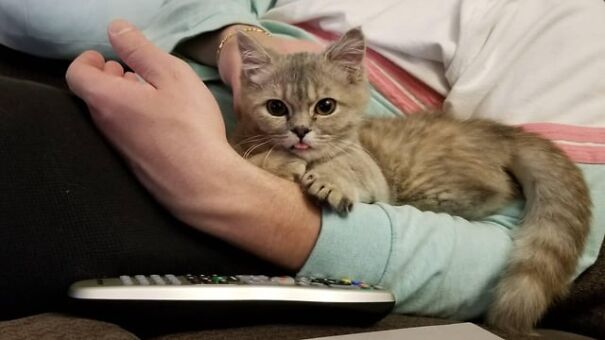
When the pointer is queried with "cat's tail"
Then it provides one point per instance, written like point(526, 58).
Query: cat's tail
point(550, 239)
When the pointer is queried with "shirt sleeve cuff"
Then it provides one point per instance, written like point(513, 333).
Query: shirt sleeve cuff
point(165, 36)
point(345, 248)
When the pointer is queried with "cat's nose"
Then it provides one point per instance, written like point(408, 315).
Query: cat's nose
point(300, 131)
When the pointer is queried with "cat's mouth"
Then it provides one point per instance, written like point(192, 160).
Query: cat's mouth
point(300, 146)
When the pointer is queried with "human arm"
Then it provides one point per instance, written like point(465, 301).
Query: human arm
point(47, 28)
point(170, 130)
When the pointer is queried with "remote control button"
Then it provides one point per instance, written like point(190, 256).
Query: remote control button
point(126, 280)
point(344, 286)
point(142, 280)
point(158, 280)
point(283, 280)
point(198, 279)
point(260, 278)
point(173, 279)
point(303, 283)
point(217, 279)
point(243, 278)
point(253, 279)
point(323, 281)
point(192, 279)
point(345, 281)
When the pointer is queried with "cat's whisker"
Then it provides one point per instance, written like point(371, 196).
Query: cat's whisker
point(267, 155)
point(251, 149)
point(244, 147)
point(252, 140)
point(255, 138)
point(254, 147)
point(324, 138)
point(342, 148)
point(252, 137)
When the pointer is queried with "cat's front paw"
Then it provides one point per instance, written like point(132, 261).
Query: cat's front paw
point(327, 191)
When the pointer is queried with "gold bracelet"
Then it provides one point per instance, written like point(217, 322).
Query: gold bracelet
point(226, 38)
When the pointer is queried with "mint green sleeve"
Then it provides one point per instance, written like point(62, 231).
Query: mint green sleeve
point(435, 264)
point(47, 28)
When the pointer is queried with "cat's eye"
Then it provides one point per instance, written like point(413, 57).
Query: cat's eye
point(325, 106)
point(277, 107)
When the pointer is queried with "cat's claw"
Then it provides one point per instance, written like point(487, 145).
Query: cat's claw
point(327, 192)
point(346, 206)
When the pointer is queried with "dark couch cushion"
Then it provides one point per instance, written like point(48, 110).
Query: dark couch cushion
point(18, 65)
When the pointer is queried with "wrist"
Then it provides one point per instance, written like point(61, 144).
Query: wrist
point(230, 33)
point(228, 57)
point(203, 48)
point(256, 211)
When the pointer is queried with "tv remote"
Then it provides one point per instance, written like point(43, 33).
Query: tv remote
point(216, 297)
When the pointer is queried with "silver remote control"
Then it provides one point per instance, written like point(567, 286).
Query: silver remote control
point(206, 297)
point(229, 288)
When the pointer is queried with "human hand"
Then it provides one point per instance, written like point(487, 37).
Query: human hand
point(167, 125)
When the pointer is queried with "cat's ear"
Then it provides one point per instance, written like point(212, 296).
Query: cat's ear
point(348, 51)
point(256, 61)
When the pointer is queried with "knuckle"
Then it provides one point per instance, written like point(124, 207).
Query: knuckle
point(177, 68)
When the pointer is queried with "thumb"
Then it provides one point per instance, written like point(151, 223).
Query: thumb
point(136, 51)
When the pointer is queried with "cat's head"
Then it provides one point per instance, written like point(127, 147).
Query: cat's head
point(307, 103)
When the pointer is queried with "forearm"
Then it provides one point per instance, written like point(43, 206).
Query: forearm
point(245, 206)
point(43, 28)
point(434, 264)
point(268, 216)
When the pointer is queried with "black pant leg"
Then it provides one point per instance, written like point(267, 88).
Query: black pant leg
point(70, 209)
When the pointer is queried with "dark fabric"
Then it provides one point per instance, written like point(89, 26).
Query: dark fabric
point(19, 65)
point(583, 311)
point(302, 331)
point(70, 209)
point(59, 326)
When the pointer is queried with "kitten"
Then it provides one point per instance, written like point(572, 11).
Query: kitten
point(303, 121)
point(295, 128)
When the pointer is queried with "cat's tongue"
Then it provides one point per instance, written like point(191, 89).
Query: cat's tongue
point(301, 146)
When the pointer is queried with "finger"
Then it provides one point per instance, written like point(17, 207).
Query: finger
point(113, 68)
point(138, 53)
point(87, 68)
point(132, 77)
point(89, 80)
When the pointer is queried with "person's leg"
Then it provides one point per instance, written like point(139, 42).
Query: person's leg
point(70, 208)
